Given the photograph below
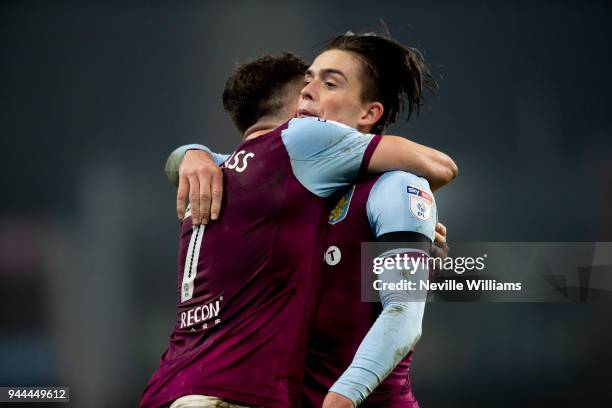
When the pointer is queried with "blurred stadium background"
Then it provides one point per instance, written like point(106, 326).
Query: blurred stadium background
point(94, 96)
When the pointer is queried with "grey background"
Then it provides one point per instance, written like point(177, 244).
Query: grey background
point(93, 96)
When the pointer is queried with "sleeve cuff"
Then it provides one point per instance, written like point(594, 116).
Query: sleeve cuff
point(367, 156)
point(176, 157)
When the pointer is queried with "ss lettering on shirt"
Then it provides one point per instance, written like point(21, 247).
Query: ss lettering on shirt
point(238, 161)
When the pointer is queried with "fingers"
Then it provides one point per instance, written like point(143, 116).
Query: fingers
point(194, 199)
point(440, 247)
point(181, 197)
point(439, 250)
point(441, 228)
point(217, 194)
point(200, 180)
point(205, 197)
point(440, 232)
point(436, 252)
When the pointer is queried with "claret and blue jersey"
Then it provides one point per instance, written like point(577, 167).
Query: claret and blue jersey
point(392, 202)
point(247, 283)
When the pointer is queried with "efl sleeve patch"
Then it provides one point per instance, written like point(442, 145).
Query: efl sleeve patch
point(402, 202)
point(420, 202)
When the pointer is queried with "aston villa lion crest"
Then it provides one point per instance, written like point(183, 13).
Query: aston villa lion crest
point(341, 209)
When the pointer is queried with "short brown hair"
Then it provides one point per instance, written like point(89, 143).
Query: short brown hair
point(259, 88)
point(392, 74)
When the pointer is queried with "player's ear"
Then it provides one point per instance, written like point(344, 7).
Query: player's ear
point(373, 111)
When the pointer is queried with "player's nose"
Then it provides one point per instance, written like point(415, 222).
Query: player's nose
point(308, 92)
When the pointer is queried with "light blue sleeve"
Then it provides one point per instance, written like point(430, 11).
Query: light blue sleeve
point(395, 332)
point(176, 157)
point(398, 201)
point(401, 201)
point(325, 155)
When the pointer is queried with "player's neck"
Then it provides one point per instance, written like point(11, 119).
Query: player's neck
point(262, 127)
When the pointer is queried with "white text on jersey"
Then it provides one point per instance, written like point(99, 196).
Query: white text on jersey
point(238, 161)
point(200, 314)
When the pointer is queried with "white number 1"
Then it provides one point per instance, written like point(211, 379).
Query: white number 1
point(191, 263)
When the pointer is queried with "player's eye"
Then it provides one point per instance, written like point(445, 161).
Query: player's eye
point(330, 84)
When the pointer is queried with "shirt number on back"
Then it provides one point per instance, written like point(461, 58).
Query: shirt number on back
point(191, 263)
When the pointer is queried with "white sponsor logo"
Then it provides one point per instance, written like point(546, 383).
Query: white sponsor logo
point(200, 314)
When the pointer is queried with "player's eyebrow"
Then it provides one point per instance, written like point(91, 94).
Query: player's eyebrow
point(327, 72)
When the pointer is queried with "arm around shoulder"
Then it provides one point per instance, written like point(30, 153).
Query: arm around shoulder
point(398, 153)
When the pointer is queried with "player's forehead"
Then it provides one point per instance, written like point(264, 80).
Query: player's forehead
point(336, 62)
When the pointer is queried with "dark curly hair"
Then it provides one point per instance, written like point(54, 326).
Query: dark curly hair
point(259, 88)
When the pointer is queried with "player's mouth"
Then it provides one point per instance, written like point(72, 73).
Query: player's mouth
point(303, 113)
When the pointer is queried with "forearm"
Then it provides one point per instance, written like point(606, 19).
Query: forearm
point(175, 159)
point(391, 337)
point(397, 153)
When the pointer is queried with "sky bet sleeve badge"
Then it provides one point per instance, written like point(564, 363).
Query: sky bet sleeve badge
point(420, 202)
